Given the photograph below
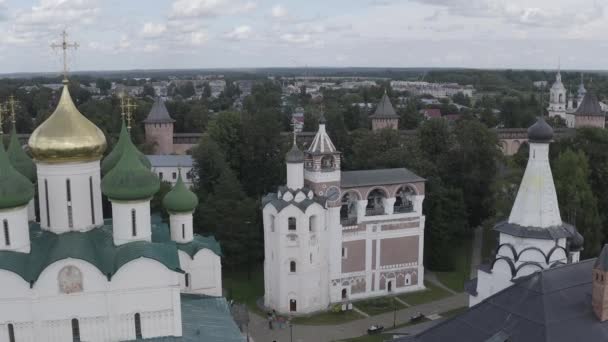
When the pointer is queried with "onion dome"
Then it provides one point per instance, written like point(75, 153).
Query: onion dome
point(129, 180)
point(114, 156)
point(322, 119)
point(15, 189)
point(67, 136)
point(19, 159)
point(295, 155)
point(180, 199)
point(540, 132)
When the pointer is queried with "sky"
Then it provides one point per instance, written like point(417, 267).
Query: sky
point(168, 34)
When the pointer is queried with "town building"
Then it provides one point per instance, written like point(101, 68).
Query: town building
point(331, 236)
point(159, 128)
point(589, 113)
point(74, 275)
point(168, 167)
point(437, 90)
point(534, 237)
point(583, 111)
point(385, 115)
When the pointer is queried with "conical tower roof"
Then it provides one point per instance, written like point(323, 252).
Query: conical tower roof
point(130, 180)
point(159, 113)
point(19, 159)
point(590, 106)
point(385, 108)
point(321, 144)
point(15, 189)
point(180, 199)
point(113, 157)
point(67, 136)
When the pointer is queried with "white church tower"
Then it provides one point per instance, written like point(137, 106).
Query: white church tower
point(557, 98)
point(534, 237)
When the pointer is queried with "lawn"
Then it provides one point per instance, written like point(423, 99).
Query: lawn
point(377, 306)
point(461, 253)
point(241, 289)
point(432, 293)
point(370, 338)
point(328, 318)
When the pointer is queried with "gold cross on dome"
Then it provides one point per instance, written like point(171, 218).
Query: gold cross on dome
point(11, 103)
point(64, 45)
point(2, 112)
point(129, 110)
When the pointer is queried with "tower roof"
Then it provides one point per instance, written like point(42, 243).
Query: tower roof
point(20, 160)
point(602, 260)
point(385, 109)
point(180, 199)
point(590, 106)
point(67, 136)
point(295, 155)
point(15, 189)
point(541, 131)
point(159, 113)
point(114, 156)
point(321, 144)
point(130, 180)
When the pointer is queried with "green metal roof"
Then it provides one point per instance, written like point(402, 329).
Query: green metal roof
point(20, 160)
point(130, 179)
point(180, 199)
point(15, 189)
point(124, 139)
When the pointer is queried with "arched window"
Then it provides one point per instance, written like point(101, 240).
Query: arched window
point(561, 98)
point(404, 200)
point(293, 307)
point(133, 222)
point(183, 231)
point(271, 218)
point(375, 203)
point(348, 210)
point(91, 199)
point(68, 194)
point(7, 237)
point(187, 279)
point(292, 266)
point(327, 163)
point(138, 326)
point(291, 223)
point(75, 330)
point(312, 223)
point(11, 333)
point(344, 294)
point(46, 200)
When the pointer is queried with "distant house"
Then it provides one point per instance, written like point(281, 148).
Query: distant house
point(167, 167)
point(431, 113)
point(452, 117)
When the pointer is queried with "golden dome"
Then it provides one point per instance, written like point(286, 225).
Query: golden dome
point(67, 136)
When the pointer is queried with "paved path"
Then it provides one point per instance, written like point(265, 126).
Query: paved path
point(476, 253)
point(258, 326)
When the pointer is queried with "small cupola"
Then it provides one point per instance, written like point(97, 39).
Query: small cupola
point(16, 190)
point(180, 199)
point(114, 156)
point(19, 159)
point(130, 180)
point(540, 132)
point(599, 299)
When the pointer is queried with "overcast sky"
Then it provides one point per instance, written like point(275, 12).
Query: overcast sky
point(143, 34)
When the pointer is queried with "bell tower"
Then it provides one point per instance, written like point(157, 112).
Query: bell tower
point(322, 163)
point(557, 98)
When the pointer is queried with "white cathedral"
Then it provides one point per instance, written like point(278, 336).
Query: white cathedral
point(332, 236)
point(584, 110)
point(534, 237)
point(73, 276)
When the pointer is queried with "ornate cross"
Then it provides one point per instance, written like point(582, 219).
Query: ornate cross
point(2, 112)
point(293, 125)
point(129, 106)
point(11, 103)
point(64, 45)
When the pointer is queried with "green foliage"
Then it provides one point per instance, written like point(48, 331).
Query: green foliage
point(226, 130)
point(156, 205)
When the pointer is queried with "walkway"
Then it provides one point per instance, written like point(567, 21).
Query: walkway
point(258, 325)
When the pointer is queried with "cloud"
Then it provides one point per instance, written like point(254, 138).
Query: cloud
point(278, 11)
point(59, 12)
point(124, 43)
point(239, 33)
point(152, 30)
point(209, 8)
point(297, 38)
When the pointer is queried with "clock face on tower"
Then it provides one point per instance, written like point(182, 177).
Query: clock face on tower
point(333, 193)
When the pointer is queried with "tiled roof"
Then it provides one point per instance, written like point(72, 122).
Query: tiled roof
point(385, 109)
point(158, 113)
point(378, 177)
point(590, 106)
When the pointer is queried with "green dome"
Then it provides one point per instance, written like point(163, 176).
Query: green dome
point(180, 199)
point(129, 180)
point(20, 160)
point(15, 189)
point(113, 157)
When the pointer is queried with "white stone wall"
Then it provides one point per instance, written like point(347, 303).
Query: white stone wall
point(18, 230)
point(168, 172)
point(84, 214)
point(181, 227)
point(204, 272)
point(105, 309)
point(122, 221)
point(295, 175)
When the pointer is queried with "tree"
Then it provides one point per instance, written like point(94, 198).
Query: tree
point(577, 203)
point(226, 130)
point(461, 99)
point(148, 91)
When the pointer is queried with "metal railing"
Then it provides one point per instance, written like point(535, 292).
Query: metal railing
point(408, 208)
point(374, 211)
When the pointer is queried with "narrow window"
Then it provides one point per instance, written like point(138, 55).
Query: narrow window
point(46, 200)
point(160, 175)
point(11, 333)
point(69, 198)
point(311, 258)
point(187, 278)
point(183, 231)
point(138, 326)
point(292, 266)
point(174, 175)
point(92, 200)
point(271, 223)
point(133, 223)
point(7, 237)
point(344, 253)
point(68, 190)
point(75, 330)
point(292, 223)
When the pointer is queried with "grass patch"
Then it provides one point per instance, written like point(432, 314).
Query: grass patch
point(461, 253)
point(241, 289)
point(328, 318)
point(431, 294)
point(377, 306)
point(370, 338)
